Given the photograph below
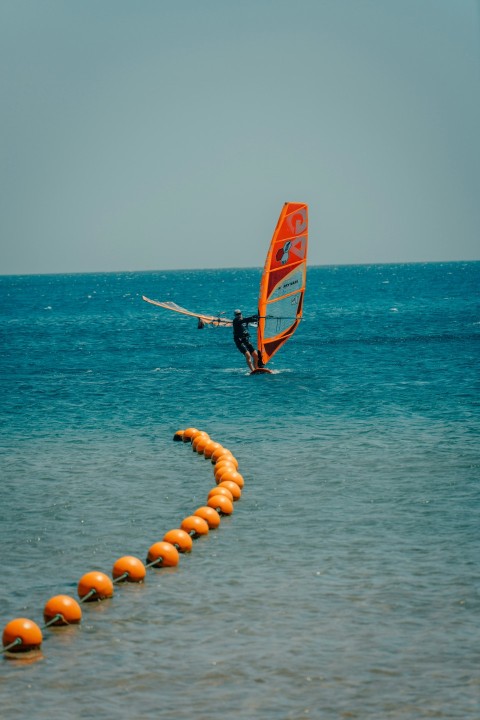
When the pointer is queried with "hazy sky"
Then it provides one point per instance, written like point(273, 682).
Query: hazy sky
point(160, 134)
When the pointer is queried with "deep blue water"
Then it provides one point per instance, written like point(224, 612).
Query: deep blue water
point(347, 581)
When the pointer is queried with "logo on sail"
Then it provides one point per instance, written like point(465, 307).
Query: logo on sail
point(297, 247)
point(282, 254)
point(298, 221)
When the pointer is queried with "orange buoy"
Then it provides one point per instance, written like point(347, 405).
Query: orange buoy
point(210, 447)
point(199, 443)
point(218, 453)
point(95, 586)
point(227, 457)
point(221, 491)
point(233, 476)
point(223, 459)
point(195, 439)
point(129, 569)
point(233, 460)
point(210, 515)
point(178, 436)
point(200, 434)
point(195, 526)
point(164, 554)
point(64, 608)
point(222, 465)
point(189, 433)
point(222, 504)
point(223, 470)
point(25, 633)
point(232, 487)
point(224, 455)
point(181, 539)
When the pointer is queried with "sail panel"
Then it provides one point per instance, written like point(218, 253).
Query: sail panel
point(281, 315)
point(281, 284)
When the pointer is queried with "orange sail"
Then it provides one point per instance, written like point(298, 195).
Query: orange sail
point(282, 286)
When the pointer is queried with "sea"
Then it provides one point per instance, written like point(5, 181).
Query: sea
point(345, 584)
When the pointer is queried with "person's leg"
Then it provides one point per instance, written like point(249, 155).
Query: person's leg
point(252, 357)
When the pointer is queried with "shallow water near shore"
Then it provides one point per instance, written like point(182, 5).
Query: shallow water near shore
point(345, 584)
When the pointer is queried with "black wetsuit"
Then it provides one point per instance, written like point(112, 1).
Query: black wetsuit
point(241, 335)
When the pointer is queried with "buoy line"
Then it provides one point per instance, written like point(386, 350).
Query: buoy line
point(22, 635)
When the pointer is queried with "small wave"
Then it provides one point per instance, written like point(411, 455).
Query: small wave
point(168, 370)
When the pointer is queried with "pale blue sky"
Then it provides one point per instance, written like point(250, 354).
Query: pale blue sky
point(163, 134)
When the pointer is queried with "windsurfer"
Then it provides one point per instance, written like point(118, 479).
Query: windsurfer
point(241, 338)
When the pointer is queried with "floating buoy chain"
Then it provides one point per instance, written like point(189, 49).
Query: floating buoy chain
point(22, 635)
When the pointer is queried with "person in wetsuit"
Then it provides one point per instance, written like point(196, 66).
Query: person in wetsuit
point(241, 338)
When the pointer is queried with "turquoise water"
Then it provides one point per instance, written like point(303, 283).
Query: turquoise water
point(345, 584)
